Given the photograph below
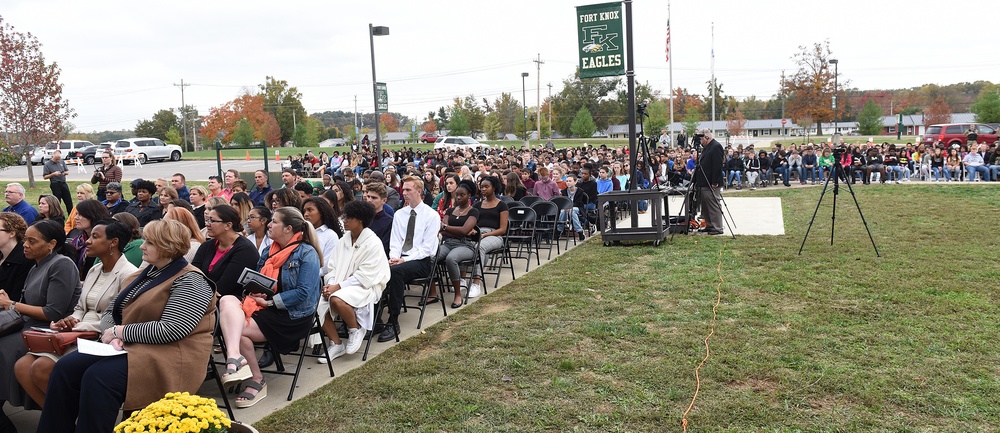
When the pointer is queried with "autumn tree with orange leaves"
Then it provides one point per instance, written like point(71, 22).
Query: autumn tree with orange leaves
point(390, 123)
point(250, 107)
point(810, 91)
point(32, 108)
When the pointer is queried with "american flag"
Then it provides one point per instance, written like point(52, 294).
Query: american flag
point(668, 41)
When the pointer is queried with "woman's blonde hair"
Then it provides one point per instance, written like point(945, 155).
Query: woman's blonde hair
point(185, 217)
point(201, 190)
point(87, 190)
point(170, 237)
point(212, 202)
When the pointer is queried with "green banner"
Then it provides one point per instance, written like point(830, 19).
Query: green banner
point(602, 41)
point(381, 98)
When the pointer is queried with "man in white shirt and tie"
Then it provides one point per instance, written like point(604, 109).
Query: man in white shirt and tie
point(412, 246)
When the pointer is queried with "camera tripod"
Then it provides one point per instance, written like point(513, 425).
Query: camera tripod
point(689, 204)
point(836, 172)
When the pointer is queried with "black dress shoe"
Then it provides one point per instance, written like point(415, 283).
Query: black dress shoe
point(428, 301)
point(317, 349)
point(390, 333)
point(266, 359)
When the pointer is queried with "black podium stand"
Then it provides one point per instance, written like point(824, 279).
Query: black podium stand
point(608, 219)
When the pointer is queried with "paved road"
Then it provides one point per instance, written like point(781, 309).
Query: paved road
point(193, 170)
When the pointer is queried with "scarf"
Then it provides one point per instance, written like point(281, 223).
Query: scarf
point(276, 257)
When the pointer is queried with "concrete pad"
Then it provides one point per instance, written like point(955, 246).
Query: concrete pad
point(745, 215)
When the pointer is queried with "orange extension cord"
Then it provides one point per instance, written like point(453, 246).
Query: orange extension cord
point(708, 350)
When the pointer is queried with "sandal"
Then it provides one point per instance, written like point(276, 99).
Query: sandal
point(239, 374)
point(249, 399)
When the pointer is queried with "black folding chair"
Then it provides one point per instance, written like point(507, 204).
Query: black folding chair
point(521, 232)
point(546, 220)
point(425, 290)
point(565, 205)
point(528, 200)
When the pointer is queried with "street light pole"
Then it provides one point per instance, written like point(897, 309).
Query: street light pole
point(836, 107)
point(524, 103)
point(372, 32)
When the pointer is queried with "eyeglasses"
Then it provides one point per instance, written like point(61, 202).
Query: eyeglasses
point(212, 221)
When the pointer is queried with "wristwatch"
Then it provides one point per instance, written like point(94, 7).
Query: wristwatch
point(270, 303)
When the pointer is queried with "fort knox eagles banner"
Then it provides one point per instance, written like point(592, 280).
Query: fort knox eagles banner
point(602, 41)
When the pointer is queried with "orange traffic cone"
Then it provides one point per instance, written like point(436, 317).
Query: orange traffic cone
point(248, 155)
point(277, 156)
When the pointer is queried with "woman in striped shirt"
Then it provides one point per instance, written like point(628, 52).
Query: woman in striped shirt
point(163, 318)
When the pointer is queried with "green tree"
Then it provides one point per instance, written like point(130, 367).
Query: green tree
point(597, 95)
point(159, 125)
point(691, 118)
point(492, 126)
point(583, 124)
point(987, 107)
point(299, 136)
point(313, 131)
point(284, 103)
point(173, 136)
point(243, 134)
point(870, 119)
point(459, 123)
point(658, 117)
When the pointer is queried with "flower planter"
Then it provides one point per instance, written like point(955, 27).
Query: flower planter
point(239, 427)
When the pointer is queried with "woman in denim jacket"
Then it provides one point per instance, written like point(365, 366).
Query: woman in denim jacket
point(281, 320)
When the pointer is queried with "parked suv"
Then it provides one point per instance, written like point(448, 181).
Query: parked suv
point(954, 133)
point(92, 153)
point(146, 149)
point(458, 142)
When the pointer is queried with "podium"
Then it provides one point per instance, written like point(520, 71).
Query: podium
point(614, 205)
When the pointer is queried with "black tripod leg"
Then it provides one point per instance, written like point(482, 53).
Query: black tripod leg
point(865, 222)
point(813, 219)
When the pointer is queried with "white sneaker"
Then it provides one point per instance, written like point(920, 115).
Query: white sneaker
point(335, 351)
point(475, 291)
point(355, 336)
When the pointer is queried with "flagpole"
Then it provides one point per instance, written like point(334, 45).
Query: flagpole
point(713, 78)
point(671, 69)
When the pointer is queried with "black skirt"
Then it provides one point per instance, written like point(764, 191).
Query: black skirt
point(280, 330)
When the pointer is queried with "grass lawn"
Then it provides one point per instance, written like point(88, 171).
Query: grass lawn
point(607, 339)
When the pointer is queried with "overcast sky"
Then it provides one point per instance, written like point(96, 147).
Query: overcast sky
point(121, 59)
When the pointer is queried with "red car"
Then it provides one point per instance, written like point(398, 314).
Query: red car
point(954, 133)
point(428, 137)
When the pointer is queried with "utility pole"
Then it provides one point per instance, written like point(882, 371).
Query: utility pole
point(550, 110)
point(357, 129)
point(782, 104)
point(538, 94)
point(183, 112)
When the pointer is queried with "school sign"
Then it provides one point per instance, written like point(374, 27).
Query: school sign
point(602, 42)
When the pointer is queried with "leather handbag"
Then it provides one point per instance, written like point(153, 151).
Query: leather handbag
point(10, 322)
point(54, 342)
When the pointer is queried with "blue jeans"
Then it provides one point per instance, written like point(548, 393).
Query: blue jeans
point(810, 173)
point(894, 172)
point(737, 174)
point(973, 169)
point(785, 172)
point(824, 172)
point(575, 213)
point(994, 172)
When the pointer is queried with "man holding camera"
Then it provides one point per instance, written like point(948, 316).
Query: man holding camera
point(708, 179)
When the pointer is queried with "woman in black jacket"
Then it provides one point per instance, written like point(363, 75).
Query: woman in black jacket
point(224, 257)
point(14, 266)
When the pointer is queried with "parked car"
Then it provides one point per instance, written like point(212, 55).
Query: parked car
point(67, 147)
point(954, 133)
point(458, 142)
point(428, 137)
point(90, 154)
point(145, 149)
